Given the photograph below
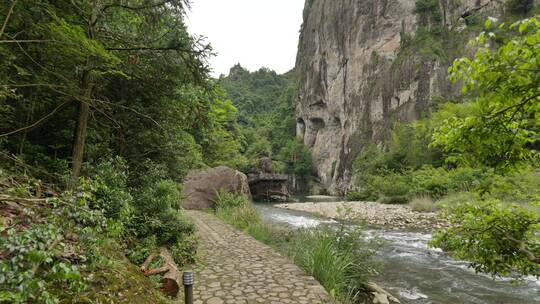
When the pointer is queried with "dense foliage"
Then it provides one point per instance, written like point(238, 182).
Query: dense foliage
point(498, 238)
point(118, 92)
point(58, 248)
point(265, 102)
point(504, 132)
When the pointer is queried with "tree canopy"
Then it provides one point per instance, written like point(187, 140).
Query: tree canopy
point(503, 79)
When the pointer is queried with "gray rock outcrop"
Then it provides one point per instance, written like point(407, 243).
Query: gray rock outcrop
point(356, 79)
point(201, 186)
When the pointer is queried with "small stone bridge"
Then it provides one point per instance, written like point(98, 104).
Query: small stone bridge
point(269, 186)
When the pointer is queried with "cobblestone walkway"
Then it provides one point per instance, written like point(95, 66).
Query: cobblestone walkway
point(235, 268)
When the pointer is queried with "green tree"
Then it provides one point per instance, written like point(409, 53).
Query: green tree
point(505, 84)
point(95, 55)
point(498, 238)
point(298, 164)
point(504, 78)
point(265, 102)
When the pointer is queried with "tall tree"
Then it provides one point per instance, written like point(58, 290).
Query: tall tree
point(71, 51)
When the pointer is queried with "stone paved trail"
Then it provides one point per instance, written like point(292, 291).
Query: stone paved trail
point(235, 268)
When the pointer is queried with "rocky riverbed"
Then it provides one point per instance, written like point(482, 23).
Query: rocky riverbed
point(393, 217)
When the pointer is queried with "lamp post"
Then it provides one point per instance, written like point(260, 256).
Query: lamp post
point(188, 279)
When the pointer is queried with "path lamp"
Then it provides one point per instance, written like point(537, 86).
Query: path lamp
point(189, 280)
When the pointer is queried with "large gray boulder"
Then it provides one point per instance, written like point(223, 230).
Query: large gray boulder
point(201, 186)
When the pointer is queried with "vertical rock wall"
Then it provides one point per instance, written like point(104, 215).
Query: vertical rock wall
point(353, 83)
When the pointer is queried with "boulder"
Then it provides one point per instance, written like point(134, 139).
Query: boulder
point(266, 165)
point(381, 296)
point(201, 186)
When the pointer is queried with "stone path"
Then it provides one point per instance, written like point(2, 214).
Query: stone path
point(235, 268)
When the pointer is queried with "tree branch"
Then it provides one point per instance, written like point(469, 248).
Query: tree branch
point(26, 41)
point(145, 48)
point(38, 122)
point(519, 105)
point(522, 247)
point(136, 8)
point(7, 17)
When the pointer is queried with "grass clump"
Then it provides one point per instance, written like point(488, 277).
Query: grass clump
point(337, 258)
point(236, 210)
point(451, 200)
point(423, 204)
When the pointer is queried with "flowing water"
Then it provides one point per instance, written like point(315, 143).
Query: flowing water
point(417, 274)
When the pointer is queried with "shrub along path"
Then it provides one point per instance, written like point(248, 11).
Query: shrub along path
point(235, 268)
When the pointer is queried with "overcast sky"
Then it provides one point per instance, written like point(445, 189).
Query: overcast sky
point(254, 33)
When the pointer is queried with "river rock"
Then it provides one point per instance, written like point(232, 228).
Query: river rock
point(201, 186)
point(380, 298)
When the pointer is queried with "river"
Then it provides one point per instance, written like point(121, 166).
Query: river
point(417, 274)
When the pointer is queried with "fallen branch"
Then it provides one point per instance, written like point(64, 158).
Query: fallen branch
point(4, 198)
point(171, 274)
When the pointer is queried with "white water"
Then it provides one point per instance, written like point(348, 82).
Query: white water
point(415, 273)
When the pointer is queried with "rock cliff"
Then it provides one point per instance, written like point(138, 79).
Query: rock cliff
point(364, 65)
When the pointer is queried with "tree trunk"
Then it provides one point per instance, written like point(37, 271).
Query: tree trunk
point(80, 130)
point(84, 106)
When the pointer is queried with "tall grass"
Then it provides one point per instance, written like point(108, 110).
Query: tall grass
point(337, 258)
point(236, 210)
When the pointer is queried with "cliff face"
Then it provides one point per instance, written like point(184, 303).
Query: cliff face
point(363, 65)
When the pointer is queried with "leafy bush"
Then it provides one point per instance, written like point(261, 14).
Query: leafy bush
point(498, 238)
point(517, 187)
point(34, 267)
point(159, 222)
point(112, 195)
point(393, 184)
point(434, 182)
point(141, 249)
point(451, 200)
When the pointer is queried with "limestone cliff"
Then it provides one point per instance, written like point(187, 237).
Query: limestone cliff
point(364, 64)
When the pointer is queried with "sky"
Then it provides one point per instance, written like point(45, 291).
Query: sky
point(254, 33)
